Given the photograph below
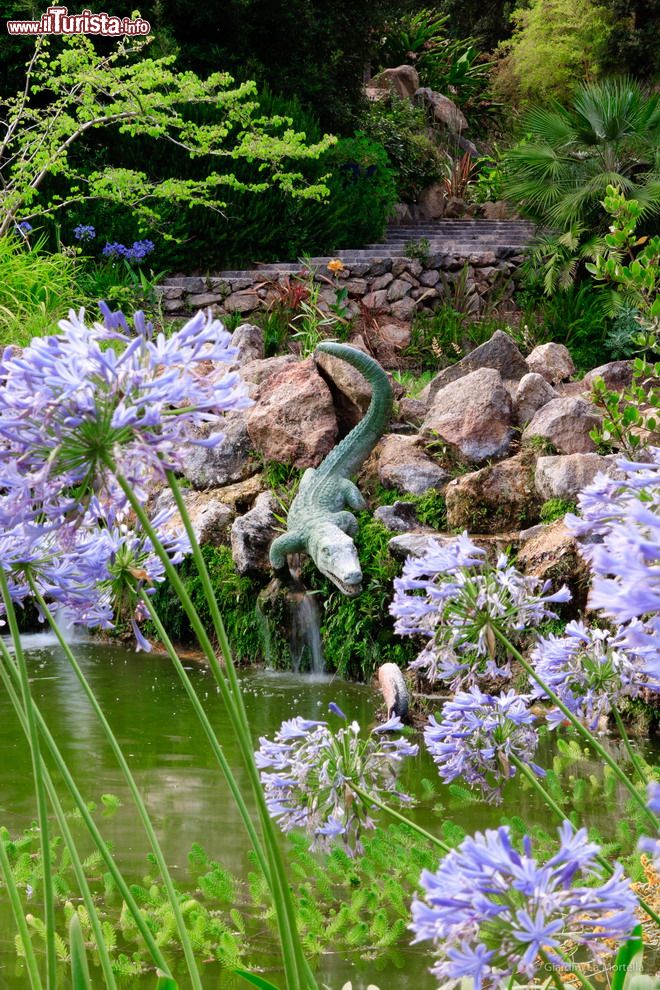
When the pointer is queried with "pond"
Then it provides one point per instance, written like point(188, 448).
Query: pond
point(183, 788)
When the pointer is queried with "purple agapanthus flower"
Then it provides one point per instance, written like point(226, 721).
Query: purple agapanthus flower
point(73, 404)
point(591, 670)
point(477, 737)
point(137, 252)
point(84, 232)
point(491, 910)
point(308, 769)
point(458, 601)
point(619, 524)
point(25, 227)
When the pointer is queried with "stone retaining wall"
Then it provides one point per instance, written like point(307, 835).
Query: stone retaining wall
point(394, 287)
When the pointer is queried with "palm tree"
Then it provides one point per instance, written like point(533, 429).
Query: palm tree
point(610, 135)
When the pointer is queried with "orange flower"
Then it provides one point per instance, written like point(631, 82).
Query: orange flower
point(335, 265)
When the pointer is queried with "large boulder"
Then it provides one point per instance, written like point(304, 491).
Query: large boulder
point(209, 515)
point(403, 464)
point(442, 110)
point(552, 361)
point(293, 420)
point(252, 535)
point(500, 353)
point(566, 424)
point(402, 81)
point(551, 553)
point(617, 375)
point(474, 415)
point(230, 460)
point(259, 370)
point(350, 390)
point(249, 341)
point(565, 475)
point(532, 394)
point(499, 497)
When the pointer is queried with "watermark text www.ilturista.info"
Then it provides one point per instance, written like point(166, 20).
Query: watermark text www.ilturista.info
point(58, 20)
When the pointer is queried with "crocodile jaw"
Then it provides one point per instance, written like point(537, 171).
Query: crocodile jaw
point(334, 553)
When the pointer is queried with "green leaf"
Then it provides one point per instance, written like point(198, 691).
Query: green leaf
point(256, 981)
point(79, 968)
point(628, 951)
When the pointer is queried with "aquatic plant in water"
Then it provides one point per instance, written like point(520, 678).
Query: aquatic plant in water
point(323, 780)
point(493, 912)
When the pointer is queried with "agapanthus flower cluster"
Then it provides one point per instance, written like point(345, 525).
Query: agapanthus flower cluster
point(25, 227)
point(72, 404)
point(458, 601)
point(478, 736)
point(309, 772)
point(647, 844)
point(138, 251)
point(84, 232)
point(620, 525)
point(90, 567)
point(492, 911)
point(590, 670)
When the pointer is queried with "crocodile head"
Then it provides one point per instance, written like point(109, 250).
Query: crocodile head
point(334, 553)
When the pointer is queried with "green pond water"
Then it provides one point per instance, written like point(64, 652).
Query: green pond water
point(183, 788)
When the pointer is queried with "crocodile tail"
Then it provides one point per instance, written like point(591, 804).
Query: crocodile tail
point(349, 455)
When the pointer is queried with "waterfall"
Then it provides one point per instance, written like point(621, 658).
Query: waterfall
point(305, 639)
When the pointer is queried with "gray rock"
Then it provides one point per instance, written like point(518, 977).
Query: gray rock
point(473, 414)
point(231, 460)
point(566, 424)
point(253, 533)
point(496, 498)
point(400, 517)
point(565, 475)
point(500, 353)
point(403, 309)
point(412, 411)
point(552, 361)
point(532, 393)
point(430, 278)
point(404, 465)
point(617, 375)
point(249, 340)
point(256, 372)
point(351, 392)
point(382, 281)
point(443, 109)
point(415, 544)
point(402, 81)
point(397, 290)
point(210, 517)
point(241, 302)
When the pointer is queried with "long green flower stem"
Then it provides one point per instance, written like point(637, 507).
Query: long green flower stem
point(100, 843)
point(555, 977)
point(19, 917)
point(562, 816)
point(235, 688)
point(399, 817)
point(630, 751)
point(182, 931)
point(298, 973)
point(210, 734)
point(104, 958)
point(577, 725)
point(40, 790)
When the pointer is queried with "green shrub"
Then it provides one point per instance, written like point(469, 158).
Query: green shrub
point(402, 130)
point(236, 596)
point(36, 290)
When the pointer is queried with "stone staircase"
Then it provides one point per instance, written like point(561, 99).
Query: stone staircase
point(437, 246)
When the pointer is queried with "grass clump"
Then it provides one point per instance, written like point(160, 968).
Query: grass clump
point(556, 508)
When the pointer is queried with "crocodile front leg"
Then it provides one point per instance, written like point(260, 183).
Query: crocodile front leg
point(352, 495)
point(346, 521)
point(280, 548)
